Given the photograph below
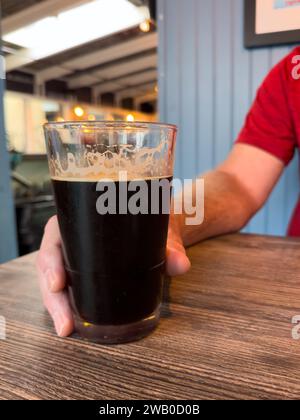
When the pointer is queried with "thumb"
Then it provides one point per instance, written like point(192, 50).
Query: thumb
point(177, 260)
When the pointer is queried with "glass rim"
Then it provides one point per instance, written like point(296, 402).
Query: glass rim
point(110, 124)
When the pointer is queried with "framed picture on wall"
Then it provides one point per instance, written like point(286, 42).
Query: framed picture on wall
point(271, 22)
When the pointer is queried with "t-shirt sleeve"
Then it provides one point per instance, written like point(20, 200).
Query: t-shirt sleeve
point(269, 124)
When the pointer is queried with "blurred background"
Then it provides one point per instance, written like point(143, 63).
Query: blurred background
point(178, 61)
point(68, 60)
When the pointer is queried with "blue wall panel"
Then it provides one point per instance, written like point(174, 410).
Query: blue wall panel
point(8, 246)
point(208, 81)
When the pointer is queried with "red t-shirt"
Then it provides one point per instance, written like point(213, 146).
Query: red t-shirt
point(273, 123)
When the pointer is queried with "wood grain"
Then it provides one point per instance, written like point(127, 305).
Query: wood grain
point(226, 333)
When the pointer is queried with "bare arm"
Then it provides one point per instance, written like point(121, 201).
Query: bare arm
point(234, 192)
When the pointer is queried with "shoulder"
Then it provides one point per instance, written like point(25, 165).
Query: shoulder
point(287, 71)
point(289, 67)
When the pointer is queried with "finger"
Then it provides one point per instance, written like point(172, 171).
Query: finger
point(50, 260)
point(52, 233)
point(177, 260)
point(59, 309)
point(50, 265)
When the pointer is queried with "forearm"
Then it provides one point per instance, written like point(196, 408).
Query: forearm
point(227, 208)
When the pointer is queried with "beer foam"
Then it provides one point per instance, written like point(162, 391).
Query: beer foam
point(92, 165)
point(94, 179)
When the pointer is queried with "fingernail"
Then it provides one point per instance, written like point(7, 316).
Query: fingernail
point(185, 260)
point(183, 264)
point(51, 280)
point(60, 323)
point(188, 264)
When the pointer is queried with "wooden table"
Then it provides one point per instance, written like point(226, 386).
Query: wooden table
point(226, 333)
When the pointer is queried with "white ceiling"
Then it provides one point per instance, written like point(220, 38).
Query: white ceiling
point(133, 61)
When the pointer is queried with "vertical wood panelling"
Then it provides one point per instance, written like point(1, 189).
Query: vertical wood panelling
point(188, 86)
point(223, 81)
point(241, 71)
point(170, 78)
point(207, 83)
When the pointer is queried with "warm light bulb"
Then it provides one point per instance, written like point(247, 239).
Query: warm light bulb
point(91, 117)
point(130, 118)
point(145, 26)
point(78, 111)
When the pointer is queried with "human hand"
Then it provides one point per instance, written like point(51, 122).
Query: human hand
point(52, 277)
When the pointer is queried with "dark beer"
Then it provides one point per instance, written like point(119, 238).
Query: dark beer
point(114, 262)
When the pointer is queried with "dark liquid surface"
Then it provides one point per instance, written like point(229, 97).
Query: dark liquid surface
point(114, 262)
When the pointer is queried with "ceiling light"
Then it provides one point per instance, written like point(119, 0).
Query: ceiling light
point(145, 26)
point(78, 111)
point(130, 118)
point(82, 24)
